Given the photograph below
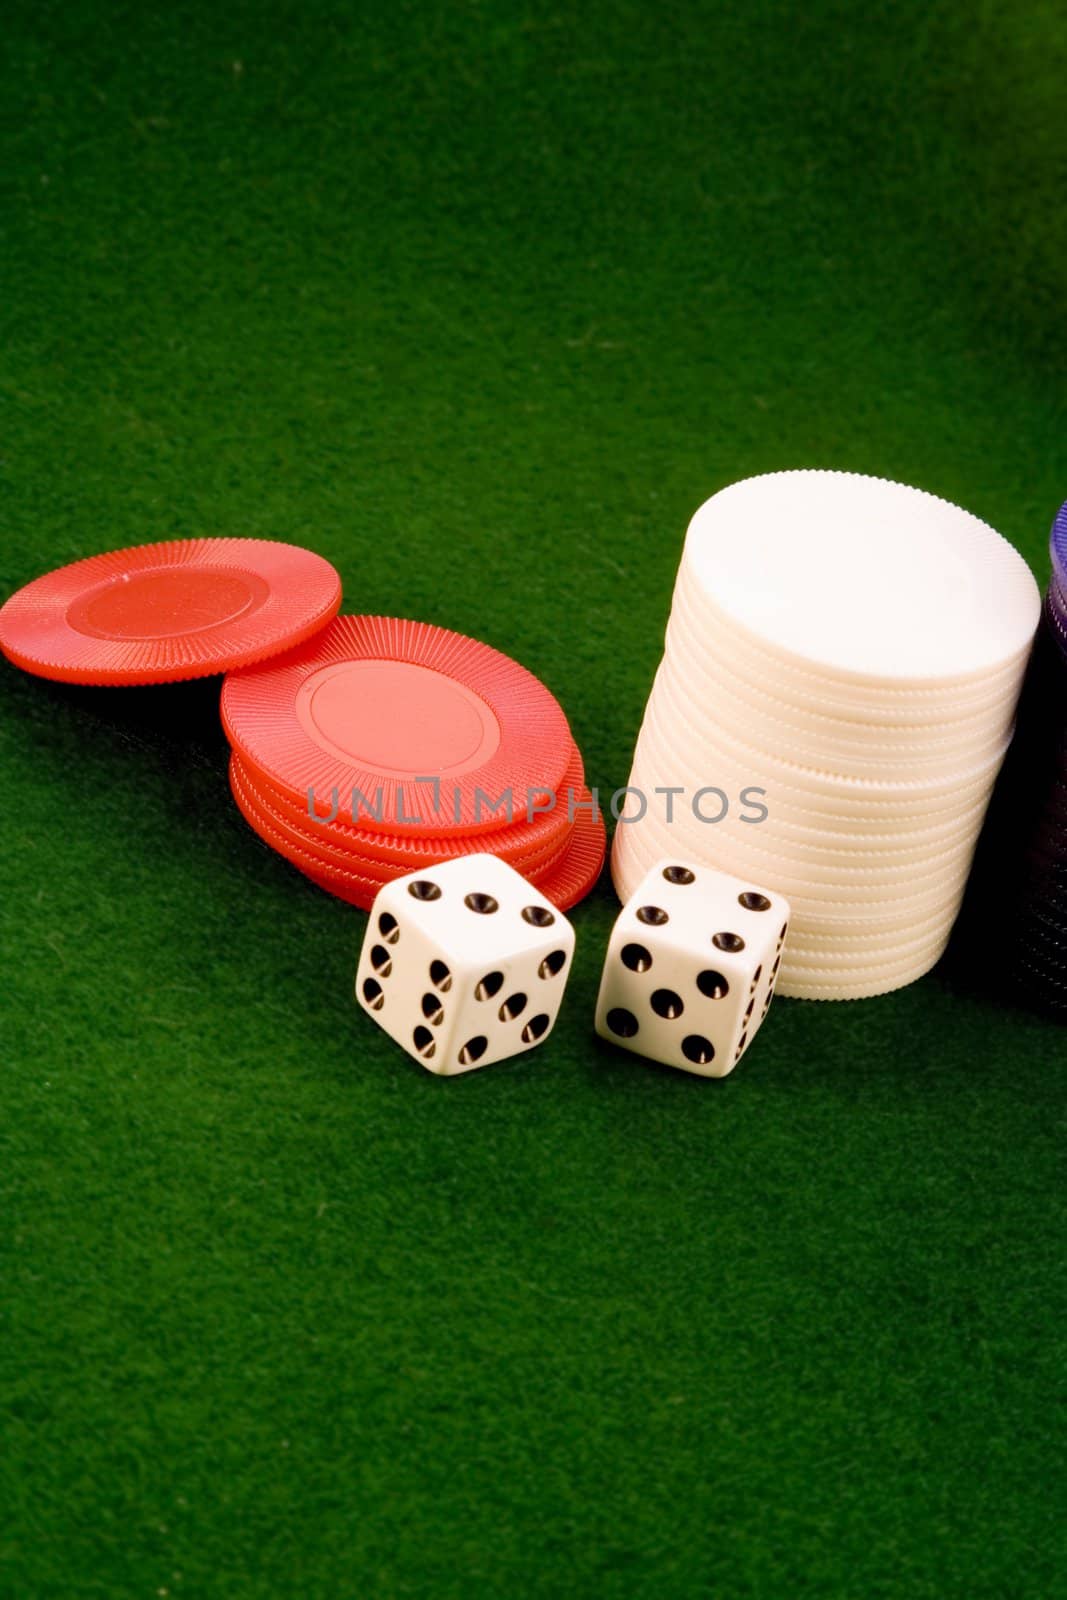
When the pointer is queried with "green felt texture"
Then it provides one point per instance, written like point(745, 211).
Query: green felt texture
point(480, 299)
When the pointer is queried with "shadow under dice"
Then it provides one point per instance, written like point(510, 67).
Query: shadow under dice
point(691, 967)
point(464, 964)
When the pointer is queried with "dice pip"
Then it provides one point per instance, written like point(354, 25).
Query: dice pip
point(464, 964)
point(691, 967)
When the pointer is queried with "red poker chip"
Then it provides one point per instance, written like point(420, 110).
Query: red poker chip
point(525, 842)
point(157, 613)
point(565, 881)
point(573, 877)
point(261, 810)
point(374, 704)
point(356, 888)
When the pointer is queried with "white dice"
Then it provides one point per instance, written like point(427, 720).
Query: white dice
point(464, 964)
point(691, 967)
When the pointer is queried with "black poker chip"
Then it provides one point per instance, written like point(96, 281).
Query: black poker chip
point(1019, 885)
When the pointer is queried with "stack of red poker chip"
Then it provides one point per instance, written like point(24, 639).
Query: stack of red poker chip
point(381, 746)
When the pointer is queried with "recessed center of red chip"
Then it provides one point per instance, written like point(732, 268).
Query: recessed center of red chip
point(397, 718)
point(166, 602)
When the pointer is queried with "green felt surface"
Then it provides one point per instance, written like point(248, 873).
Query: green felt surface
point(481, 300)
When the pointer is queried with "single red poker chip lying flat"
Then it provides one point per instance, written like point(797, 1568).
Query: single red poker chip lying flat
point(564, 881)
point(157, 613)
point(260, 807)
point(576, 874)
point(524, 842)
point(373, 705)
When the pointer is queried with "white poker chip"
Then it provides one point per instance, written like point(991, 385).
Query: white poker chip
point(842, 909)
point(885, 981)
point(863, 578)
point(720, 754)
point(874, 823)
point(808, 876)
point(799, 741)
point(786, 692)
point(712, 632)
point(907, 946)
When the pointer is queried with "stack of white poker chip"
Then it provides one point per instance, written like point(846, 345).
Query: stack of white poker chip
point(855, 649)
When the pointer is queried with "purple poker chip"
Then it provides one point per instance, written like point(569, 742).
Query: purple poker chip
point(1055, 614)
point(1034, 987)
point(1046, 925)
point(1058, 547)
point(1057, 593)
point(1041, 964)
point(1032, 893)
point(1057, 605)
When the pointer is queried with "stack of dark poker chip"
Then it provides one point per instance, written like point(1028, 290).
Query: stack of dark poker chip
point(1019, 899)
